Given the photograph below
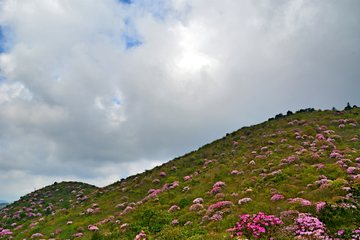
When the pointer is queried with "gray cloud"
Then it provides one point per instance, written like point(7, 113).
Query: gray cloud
point(97, 91)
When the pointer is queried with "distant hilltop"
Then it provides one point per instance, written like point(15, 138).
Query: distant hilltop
point(3, 204)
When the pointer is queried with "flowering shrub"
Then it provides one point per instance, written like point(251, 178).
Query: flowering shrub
point(140, 235)
point(277, 197)
point(309, 226)
point(155, 180)
point(300, 201)
point(217, 216)
point(244, 200)
point(196, 207)
point(257, 226)
point(187, 178)
point(78, 235)
point(175, 221)
point(219, 195)
point(173, 208)
point(162, 174)
point(198, 200)
point(348, 234)
point(188, 223)
point(218, 205)
point(219, 184)
point(319, 206)
point(93, 228)
point(215, 190)
point(351, 170)
point(35, 235)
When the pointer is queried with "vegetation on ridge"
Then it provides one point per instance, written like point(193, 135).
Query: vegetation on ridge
point(293, 176)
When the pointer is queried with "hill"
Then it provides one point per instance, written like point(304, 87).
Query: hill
point(2, 205)
point(291, 176)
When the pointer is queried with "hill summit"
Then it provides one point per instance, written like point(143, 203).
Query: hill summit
point(295, 176)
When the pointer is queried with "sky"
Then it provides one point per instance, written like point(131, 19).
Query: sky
point(95, 91)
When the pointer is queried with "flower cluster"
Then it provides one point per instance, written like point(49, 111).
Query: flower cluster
point(319, 206)
point(244, 200)
point(196, 207)
point(306, 225)
point(277, 197)
point(35, 235)
point(140, 235)
point(173, 208)
point(218, 205)
point(93, 228)
point(302, 202)
point(175, 221)
point(155, 180)
point(257, 226)
point(187, 178)
point(219, 184)
point(215, 190)
point(198, 200)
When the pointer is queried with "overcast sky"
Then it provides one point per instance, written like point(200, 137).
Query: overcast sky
point(95, 91)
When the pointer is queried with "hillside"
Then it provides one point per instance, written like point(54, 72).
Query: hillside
point(299, 174)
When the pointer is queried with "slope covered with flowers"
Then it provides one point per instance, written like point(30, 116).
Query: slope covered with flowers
point(291, 177)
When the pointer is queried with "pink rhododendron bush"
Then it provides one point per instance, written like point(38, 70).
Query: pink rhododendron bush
point(256, 226)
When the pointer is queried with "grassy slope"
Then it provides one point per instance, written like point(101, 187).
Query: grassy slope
point(152, 214)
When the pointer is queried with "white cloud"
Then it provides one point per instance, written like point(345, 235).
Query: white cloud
point(9, 92)
point(99, 90)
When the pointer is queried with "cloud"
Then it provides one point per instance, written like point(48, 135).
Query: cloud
point(97, 91)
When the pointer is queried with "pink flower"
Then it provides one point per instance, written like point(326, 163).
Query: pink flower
point(156, 180)
point(196, 207)
point(319, 206)
point(162, 174)
point(277, 197)
point(175, 221)
point(173, 208)
point(140, 235)
point(215, 190)
point(198, 200)
point(244, 200)
point(351, 170)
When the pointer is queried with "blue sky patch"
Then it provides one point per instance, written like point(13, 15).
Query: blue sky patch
point(116, 101)
point(2, 40)
point(125, 1)
point(131, 42)
point(130, 36)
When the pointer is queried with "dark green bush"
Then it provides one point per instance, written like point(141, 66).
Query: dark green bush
point(183, 202)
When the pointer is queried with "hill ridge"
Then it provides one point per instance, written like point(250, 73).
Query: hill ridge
point(288, 166)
